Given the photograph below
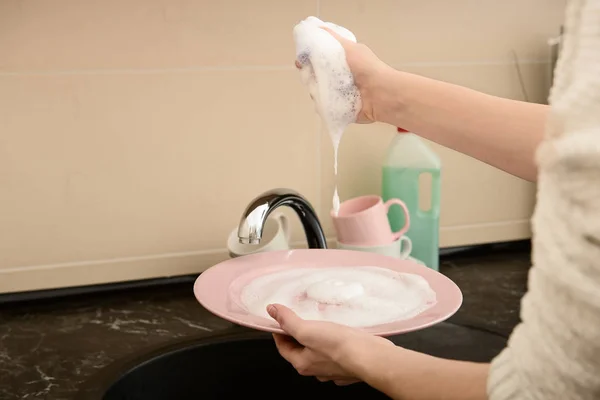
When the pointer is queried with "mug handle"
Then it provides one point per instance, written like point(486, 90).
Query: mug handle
point(405, 247)
point(285, 226)
point(404, 229)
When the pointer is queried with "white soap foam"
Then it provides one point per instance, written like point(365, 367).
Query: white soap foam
point(325, 72)
point(336, 200)
point(352, 296)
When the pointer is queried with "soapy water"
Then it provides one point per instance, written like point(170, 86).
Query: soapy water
point(336, 196)
point(336, 201)
point(352, 296)
point(325, 72)
point(358, 296)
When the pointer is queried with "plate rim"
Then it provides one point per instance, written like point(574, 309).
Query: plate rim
point(205, 276)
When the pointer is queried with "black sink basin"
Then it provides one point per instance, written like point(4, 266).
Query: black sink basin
point(245, 364)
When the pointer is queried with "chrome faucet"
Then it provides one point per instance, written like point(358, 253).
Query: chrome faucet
point(255, 215)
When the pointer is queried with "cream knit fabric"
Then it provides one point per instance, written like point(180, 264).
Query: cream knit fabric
point(555, 352)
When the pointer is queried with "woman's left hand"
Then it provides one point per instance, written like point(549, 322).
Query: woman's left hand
point(325, 350)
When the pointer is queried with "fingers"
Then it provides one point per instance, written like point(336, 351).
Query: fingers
point(334, 34)
point(286, 318)
point(339, 381)
point(288, 348)
point(294, 353)
point(291, 351)
point(345, 382)
point(286, 344)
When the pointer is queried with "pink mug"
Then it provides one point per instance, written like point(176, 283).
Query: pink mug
point(363, 221)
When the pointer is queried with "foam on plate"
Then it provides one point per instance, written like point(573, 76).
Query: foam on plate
point(353, 296)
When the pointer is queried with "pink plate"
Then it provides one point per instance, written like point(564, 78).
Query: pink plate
point(218, 289)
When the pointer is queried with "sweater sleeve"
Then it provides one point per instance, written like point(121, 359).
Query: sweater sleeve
point(554, 353)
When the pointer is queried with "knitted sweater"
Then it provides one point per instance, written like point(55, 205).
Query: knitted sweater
point(555, 352)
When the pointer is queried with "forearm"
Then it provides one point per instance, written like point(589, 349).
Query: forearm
point(405, 374)
point(500, 132)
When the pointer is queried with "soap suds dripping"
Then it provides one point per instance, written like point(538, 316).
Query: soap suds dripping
point(330, 82)
point(336, 145)
point(352, 296)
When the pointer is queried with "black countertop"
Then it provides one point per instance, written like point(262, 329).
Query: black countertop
point(49, 347)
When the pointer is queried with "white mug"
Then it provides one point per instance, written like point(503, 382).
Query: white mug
point(275, 236)
point(399, 248)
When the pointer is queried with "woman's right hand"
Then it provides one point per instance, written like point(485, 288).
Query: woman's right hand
point(327, 351)
point(368, 71)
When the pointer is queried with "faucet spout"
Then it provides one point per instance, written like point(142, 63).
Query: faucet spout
point(254, 217)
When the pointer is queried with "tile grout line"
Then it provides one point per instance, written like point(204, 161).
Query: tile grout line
point(121, 260)
point(114, 260)
point(484, 224)
point(319, 200)
point(482, 63)
point(258, 68)
point(215, 251)
point(140, 71)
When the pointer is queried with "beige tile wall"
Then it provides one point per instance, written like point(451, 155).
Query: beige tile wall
point(134, 132)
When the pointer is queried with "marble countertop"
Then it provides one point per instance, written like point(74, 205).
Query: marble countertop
point(49, 347)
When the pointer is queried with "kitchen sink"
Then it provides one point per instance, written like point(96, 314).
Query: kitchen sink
point(244, 364)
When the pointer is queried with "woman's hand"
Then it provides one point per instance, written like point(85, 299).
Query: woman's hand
point(368, 71)
point(325, 350)
point(333, 352)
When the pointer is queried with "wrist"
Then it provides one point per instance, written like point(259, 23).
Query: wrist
point(388, 95)
point(362, 356)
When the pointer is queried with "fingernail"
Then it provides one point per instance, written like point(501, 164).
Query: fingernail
point(272, 310)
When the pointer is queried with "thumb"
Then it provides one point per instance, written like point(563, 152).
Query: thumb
point(343, 41)
point(286, 318)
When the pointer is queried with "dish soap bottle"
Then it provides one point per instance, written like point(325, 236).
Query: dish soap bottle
point(412, 173)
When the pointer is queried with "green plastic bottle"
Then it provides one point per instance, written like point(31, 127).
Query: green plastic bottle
point(412, 173)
